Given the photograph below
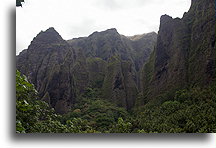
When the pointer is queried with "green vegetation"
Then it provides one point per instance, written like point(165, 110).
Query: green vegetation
point(189, 111)
point(33, 115)
point(89, 115)
point(98, 114)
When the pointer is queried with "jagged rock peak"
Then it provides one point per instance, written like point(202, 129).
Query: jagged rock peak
point(51, 29)
point(166, 22)
point(165, 18)
point(111, 31)
point(48, 36)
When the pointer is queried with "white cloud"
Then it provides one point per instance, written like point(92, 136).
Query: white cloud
point(77, 18)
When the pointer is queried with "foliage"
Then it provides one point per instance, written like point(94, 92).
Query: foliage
point(189, 111)
point(31, 113)
point(24, 89)
point(35, 116)
point(122, 127)
point(99, 113)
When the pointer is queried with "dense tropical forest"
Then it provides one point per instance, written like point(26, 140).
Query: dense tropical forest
point(110, 83)
point(189, 111)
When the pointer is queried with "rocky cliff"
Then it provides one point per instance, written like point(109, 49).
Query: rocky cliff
point(113, 63)
point(47, 63)
point(185, 52)
point(62, 70)
point(181, 56)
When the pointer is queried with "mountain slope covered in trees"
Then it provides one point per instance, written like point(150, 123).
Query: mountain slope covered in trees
point(61, 70)
point(184, 56)
point(109, 83)
point(190, 111)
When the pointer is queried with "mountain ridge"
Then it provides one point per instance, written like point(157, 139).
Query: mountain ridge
point(184, 56)
point(62, 70)
point(180, 56)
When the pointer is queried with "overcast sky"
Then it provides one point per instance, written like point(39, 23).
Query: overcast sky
point(78, 18)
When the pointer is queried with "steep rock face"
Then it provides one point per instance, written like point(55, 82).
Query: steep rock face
point(80, 72)
point(62, 70)
point(201, 61)
point(97, 71)
point(103, 44)
point(110, 43)
point(142, 47)
point(171, 53)
point(185, 51)
point(47, 64)
point(119, 85)
point(113, 63)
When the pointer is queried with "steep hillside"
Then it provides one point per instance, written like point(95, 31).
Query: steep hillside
point(62, 70)
point(113, 63)
point(110, 83)
point(185, 52)
point(47, 64)
point(110, 43)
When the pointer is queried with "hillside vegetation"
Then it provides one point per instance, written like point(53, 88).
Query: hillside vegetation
point(110, 83)
point(190, 111)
